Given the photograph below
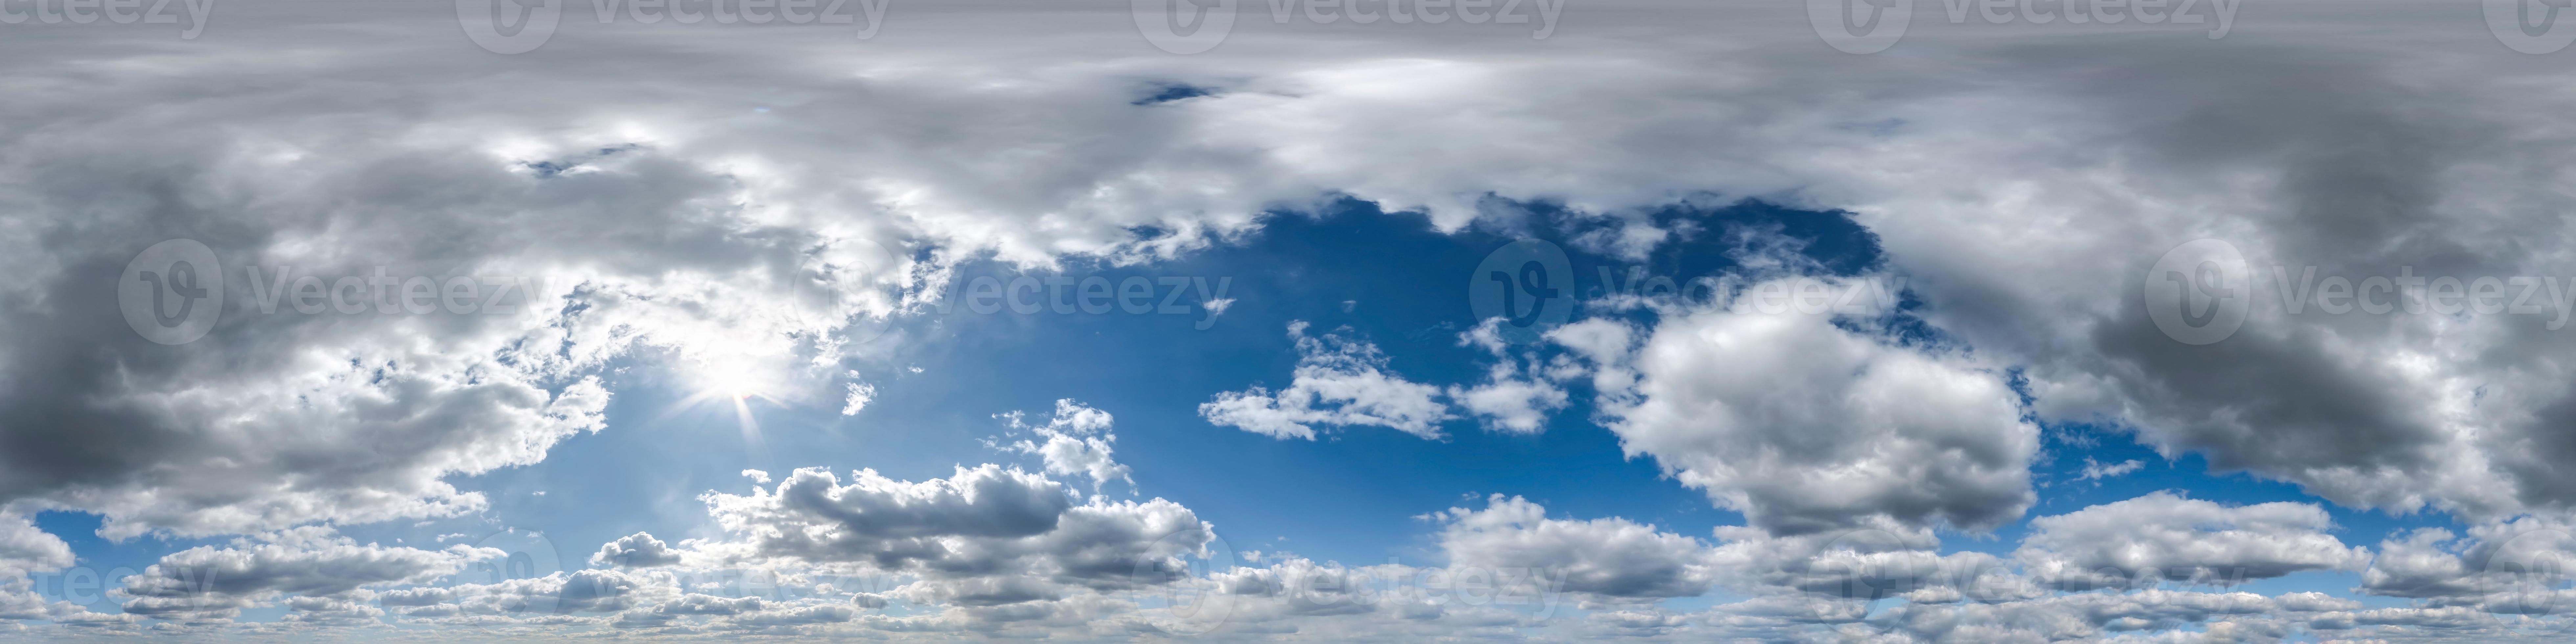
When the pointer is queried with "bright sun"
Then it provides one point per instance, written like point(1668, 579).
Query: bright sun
point(735, 381)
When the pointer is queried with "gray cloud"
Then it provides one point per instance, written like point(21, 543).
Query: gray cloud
point(314, 563)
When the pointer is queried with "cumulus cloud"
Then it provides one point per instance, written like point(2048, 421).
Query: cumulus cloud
point(1337, 382)
point(1612, 556)
point(211, 583)
point(2166, 536)
point(2518, 566)
point(982, 531)
point(24, 547)
point(1812, 421)
point(987, 549)
point(566, 595)
point(639, 550)
point(1863, 564)
point(1077, 441)
point(1300, 596)
point(812, 516)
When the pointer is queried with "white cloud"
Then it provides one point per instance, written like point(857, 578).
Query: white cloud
point(1806, 425)
point(1324, 600)
point(859, 395)
point(24, 547)
point(1077, 442)
point(1511, 405)
point(1613, 556)
point(1508, 401)
point(1338, 382)
point(537, 599)
point(2089, 615)
point(639, 550)
point(2097, 471)
point(2164, 536)
point(2518, 566)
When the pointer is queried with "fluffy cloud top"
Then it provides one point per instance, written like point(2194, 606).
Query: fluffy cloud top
point(1077, 441)
point(1806, 424)
point(1613, 556)
point(25, 548)
point(2168, 536)
point(639, 550)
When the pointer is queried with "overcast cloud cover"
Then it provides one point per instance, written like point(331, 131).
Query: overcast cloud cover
point(982, 319)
